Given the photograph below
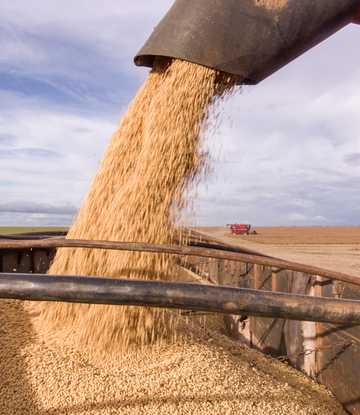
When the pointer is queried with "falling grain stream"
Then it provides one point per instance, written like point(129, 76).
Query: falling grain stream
point(98, 359)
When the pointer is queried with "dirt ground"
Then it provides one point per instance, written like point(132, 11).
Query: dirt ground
point(333, 248)
point(287, 235)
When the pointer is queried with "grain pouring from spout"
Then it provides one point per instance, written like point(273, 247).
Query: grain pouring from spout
point(157, 153)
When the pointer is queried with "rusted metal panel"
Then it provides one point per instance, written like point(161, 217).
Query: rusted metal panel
point(234, 273)
point(340, 372)
point(292, 329)
point(338, 367)
point(42, 260)
point(18, 261)
point(26, 261)
point(279, 337)
point(221, 272)
point(9, 261)
point(268, 334)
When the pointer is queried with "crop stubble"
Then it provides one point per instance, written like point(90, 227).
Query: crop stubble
point(334, 248)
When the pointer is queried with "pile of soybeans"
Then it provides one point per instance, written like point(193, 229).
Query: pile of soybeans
point(59, 358)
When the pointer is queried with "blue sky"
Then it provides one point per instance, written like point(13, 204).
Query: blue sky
point(287, 153)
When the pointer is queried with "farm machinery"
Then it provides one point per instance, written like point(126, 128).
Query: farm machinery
point(241, 229)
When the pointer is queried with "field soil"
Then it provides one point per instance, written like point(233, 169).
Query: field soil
point(333, 248)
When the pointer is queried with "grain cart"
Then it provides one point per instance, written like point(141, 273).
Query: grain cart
point(241, 229)
point(263, 304)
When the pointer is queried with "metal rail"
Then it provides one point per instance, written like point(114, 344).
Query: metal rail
point(238, 301)
point(179, 250)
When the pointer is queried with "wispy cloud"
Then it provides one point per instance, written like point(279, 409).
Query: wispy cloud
point(352, 159)
point(41, 208)
point(304, 220)
point(35, 219)
point(66, 73)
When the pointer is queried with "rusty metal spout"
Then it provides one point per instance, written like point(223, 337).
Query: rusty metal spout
point(251, 39)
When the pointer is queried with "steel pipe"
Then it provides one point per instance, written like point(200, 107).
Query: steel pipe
point(185, 296)
point(180, 250)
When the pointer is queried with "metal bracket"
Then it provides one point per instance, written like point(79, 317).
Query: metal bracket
point(337, 288)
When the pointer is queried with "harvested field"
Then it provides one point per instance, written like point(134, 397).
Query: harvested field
point(5, 230)
point(283, 235)
point(333, 248)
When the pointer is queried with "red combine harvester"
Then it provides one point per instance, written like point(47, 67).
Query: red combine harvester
point(241, 229)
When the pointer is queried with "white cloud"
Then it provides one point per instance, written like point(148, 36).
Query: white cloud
point(23, 219)
point(303, 220)
point(40, 34)
point(37, 208)
point(49, 156)
point(68, 72)
point(296, 143)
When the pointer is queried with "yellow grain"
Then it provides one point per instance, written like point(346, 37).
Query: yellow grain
point(149, 167)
